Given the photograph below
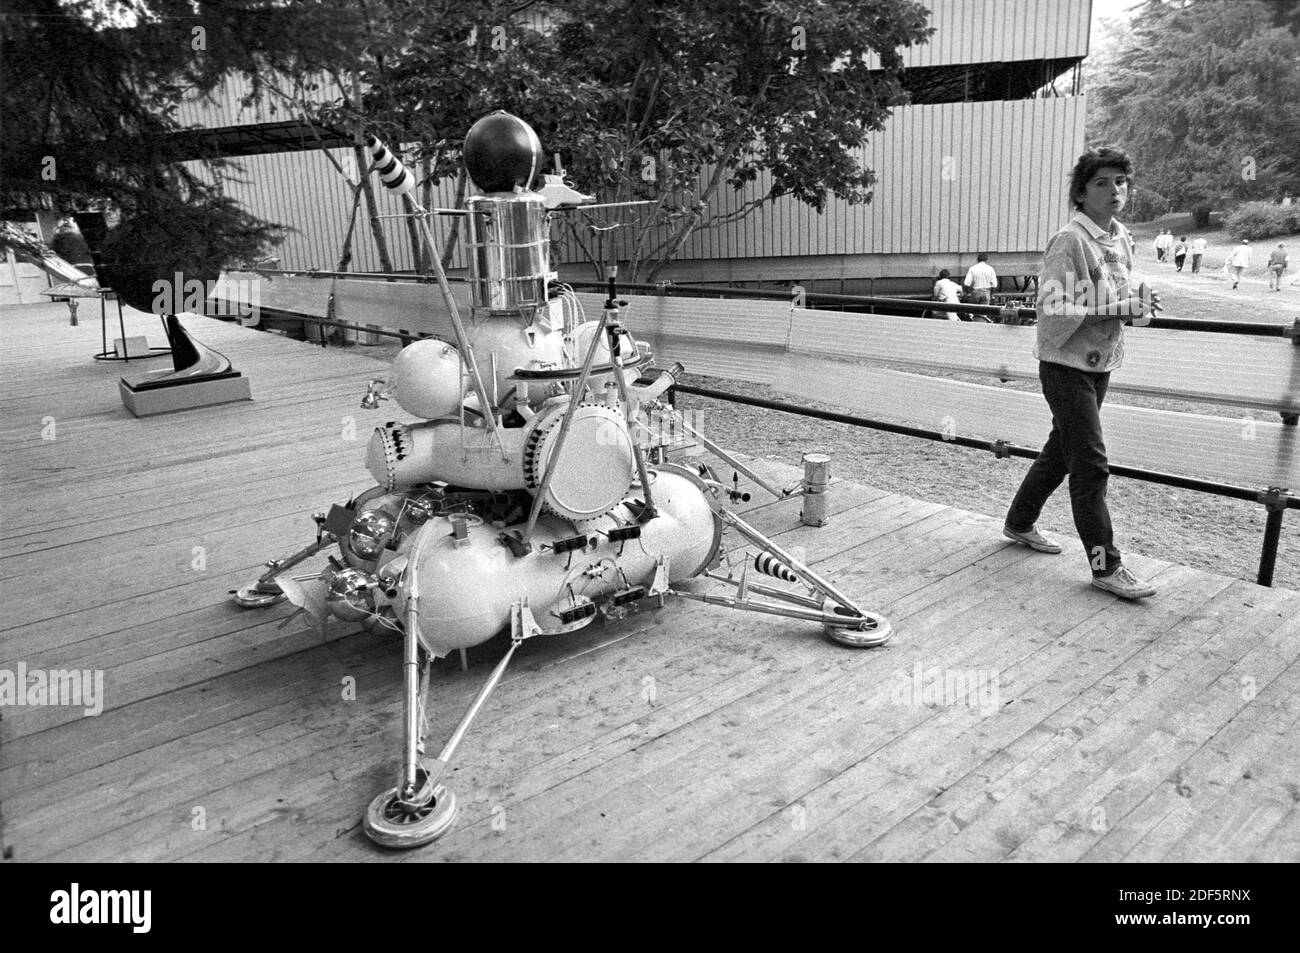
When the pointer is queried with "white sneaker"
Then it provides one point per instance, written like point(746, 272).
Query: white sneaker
point(1033, 539)
point(1124, 584)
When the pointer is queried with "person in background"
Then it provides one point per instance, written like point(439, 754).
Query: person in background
point(1085, 296)
point(1277, 262)
point(945, 289)
point(1166, 240)
point(1158, 243)
point(1238, 261)
point(1180, 252)
point(981, 279)
point(1198, 250)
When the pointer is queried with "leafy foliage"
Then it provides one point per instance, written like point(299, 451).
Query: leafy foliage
point(89, 104)
point(1252, 220)
point(1147, 204)
point(664, 102)
point(1203, 95)
point(643, 96)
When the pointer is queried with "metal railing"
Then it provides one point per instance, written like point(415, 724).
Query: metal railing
point(1275, 500)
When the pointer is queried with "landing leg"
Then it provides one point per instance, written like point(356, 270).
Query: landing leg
point(421, 809)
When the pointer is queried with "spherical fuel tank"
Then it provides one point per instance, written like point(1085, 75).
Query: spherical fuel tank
point(502, 152)
point(467, 587)
point(425, 379)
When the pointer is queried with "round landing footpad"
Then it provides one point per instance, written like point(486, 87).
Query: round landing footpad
point(259, 595)
point(865, 631)
point(391, 822)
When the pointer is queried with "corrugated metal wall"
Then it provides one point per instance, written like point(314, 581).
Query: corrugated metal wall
point(966, 31)
point(953, 178)
point(304, 191)
point(1000, 31)
point(224, 106)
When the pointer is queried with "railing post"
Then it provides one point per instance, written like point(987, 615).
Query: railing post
point(1274, 500)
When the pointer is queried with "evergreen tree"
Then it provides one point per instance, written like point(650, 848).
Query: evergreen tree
point(1203, 94)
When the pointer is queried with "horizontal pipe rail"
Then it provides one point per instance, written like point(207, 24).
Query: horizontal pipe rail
point(926, 304)
point(993, 446)
point(911, 305)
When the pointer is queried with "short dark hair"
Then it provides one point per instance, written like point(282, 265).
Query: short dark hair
point(982, 256)
point(1090, 163)
point(944, 273)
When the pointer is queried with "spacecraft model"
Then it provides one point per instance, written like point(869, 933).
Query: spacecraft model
point(534, 491)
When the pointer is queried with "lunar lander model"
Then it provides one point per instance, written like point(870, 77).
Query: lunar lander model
point(533, 493)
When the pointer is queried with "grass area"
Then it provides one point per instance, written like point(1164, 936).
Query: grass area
point(1209, 294)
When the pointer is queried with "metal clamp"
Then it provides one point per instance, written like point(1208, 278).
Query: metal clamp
point(1274, 499)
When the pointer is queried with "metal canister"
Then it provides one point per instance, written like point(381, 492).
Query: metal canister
point(816, 489)
point(509, 250)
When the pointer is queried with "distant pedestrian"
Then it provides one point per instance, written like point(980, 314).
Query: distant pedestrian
point(982, 280)
point(1198, 250)
point(1164, 241)
point(1238, 261)
point(1180, 252)
point(1277, 263)
point(945, 289)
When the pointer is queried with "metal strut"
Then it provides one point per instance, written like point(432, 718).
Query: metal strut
point(575, 397)
point(844, 622)
point(616, 358)
point(462, 340)
point(523, 626)
point(717, 451)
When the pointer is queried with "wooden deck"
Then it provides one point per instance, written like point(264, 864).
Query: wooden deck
point(1104, 731)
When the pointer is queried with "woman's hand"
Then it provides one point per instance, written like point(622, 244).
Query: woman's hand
point(1148, 299)
point(1144, 306)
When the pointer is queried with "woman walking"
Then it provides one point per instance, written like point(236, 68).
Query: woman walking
point(1084, 301)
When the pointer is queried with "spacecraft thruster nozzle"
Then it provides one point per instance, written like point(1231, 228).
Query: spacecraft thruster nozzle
point(391, 172)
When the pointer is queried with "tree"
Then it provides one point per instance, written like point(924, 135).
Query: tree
point(664, 102)
point(1202, 93)
point(88, 110)
point(646, 100)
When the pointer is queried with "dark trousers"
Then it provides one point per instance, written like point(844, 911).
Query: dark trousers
point(1196, 263)
point(1074, 449)
point(1178, 260)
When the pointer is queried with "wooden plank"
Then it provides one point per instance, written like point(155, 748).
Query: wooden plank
point(394, 719)
point(915, 760)
point(1105, 736)
point(1250, 739)
point(1191, 365)
point(209, 707)
point(699, 663)
point(1258, 455)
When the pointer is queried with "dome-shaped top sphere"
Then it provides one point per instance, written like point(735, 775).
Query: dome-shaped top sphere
point(501, 152)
